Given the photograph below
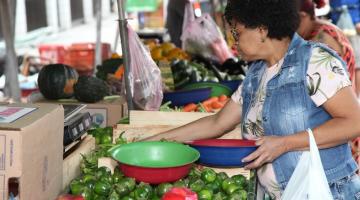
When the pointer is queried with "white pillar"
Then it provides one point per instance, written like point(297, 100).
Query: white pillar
point(88, 11)
point(52, 14)
point(64, 14)
point(20, 21)
point(105, 6)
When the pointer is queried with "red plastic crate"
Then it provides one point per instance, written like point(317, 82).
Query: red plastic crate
point(52, 53)
point(27, 92)
point(81, 56)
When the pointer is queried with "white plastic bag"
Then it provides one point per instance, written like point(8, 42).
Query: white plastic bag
point(144, 75)
point(345, 23)
point(308, 180)
point(201, 36)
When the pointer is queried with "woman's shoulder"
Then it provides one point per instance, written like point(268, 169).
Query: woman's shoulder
point(332, 36)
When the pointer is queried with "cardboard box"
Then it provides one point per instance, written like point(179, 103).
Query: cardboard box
point(71, 164)
point(104, 113)
point(31, 152)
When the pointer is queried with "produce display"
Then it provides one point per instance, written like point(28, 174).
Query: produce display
point(205, 183)
point(98, 183)
point(165, 51)
point(112, 71)
point(108, 67)
point(213, 104)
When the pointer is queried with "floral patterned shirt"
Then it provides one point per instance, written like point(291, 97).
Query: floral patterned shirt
point(325, 77)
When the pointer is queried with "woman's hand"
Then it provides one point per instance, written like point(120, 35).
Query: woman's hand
point(270, 147)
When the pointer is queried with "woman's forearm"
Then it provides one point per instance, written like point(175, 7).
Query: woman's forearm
point(334, 132)
point(199, 129)
point(342, 128)
point(207, 127)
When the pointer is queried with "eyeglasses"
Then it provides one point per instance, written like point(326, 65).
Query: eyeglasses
point(234, 32)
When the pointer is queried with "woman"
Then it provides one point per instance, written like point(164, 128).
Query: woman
point(174, 20)
point(282, 96)
point(315, 29)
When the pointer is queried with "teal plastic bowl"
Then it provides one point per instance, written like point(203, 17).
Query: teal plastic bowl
point(217, 89)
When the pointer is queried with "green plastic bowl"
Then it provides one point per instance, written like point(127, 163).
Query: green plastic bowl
point(217, 89)
point(155, 162)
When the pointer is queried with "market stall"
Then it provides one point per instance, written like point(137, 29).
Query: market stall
point(94, 146)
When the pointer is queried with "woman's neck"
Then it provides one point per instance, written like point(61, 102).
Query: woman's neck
point(277, 50)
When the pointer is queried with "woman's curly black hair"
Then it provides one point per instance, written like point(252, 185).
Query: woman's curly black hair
point(280, 17)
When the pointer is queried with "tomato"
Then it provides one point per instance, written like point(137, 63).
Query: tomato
point(113, 196)
point(163, 188)
point(205, 194)
point(142, 193)
point(127, 198)
point(107, 179)
point(180, 183)
point(70, 197)
point(122, 189)
point(155, 198)
point(117, 175)
point(90, 184)
point(105, 139)
point(177, 193)
point(147, 187)
point(129, 182)
point(197, 185)
point(238, 195)
point(88, 177)
point(194, 172)
point(231, 188)
point(239, 180)
point(99, 197)
point(225, 184)
point(108, 130)
point(221, 176)
point(102, 171)
point(208, 175)
point(132, 194)
point(87, 194)
point(102, 188)
point(219, 196)
point(76, 187)
point(97, 140)
point(243, 194)
point(116, 178)
point(214, 186)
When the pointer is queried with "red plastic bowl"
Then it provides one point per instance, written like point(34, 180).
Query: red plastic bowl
point(155, 162)
point(155, 175)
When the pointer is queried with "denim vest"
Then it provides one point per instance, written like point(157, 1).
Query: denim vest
point(288, 109)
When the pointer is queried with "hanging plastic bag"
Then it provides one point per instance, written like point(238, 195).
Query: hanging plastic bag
point(308, 180)
point(144, 75)
point(201, 36)
point(189, 15)
point(345, 22)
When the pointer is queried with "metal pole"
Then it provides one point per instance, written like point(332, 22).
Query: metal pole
point(223, 5)
point(7, 18)
point(98, 47)
point(213, 12)
point(125, 51)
